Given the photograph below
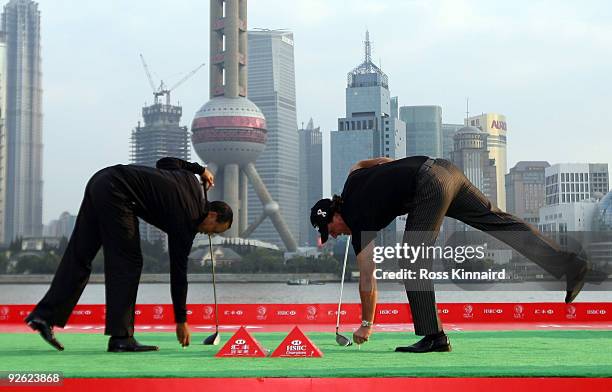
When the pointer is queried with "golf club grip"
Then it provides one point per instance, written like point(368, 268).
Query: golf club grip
point(205, 192)
point(348, 241)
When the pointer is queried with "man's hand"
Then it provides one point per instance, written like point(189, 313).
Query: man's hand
point(208, 178)
point(183, 335)
point(362, 335)
point(367, 288)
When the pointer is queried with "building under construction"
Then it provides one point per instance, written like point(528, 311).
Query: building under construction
point(161, 136)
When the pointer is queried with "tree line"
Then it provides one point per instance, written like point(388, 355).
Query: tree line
point(156, 260)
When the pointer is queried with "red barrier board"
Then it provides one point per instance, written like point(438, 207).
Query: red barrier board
point(305, 314)
point(498, 384)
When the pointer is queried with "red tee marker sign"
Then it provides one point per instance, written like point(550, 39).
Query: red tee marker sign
point(242, 344)
point(295, 345)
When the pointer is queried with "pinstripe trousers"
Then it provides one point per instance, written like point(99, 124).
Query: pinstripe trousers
point(443, 190)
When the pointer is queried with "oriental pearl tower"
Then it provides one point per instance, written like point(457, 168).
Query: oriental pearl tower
point(229, 131)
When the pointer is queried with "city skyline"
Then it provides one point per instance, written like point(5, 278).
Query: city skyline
point(551, 88)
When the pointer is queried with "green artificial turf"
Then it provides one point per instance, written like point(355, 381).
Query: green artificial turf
point(475, 354)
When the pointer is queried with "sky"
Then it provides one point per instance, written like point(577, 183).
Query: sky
point(545, 65)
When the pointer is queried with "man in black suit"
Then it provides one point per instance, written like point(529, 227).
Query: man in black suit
point(169, 197)
point(381, 189)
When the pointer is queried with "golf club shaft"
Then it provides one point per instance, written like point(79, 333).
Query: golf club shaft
point(348, 242)
point(212, 263)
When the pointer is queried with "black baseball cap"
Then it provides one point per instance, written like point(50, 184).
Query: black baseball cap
point(320, 215)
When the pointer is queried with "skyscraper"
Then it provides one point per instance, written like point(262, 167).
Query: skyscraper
point(368, 130)
point(61, 227)
point(21, 24)
point(423, 130)
point(525, 190)
point(310, 179)
point(495, 126)
point(448, 138)
point(395, 107)
point(161, 136)
point(3, 146)
point(271, 73)
point(471, 155)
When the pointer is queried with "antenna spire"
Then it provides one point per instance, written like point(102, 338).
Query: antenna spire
point(368, 48)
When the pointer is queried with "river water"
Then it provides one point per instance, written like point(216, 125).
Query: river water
point(154, 293)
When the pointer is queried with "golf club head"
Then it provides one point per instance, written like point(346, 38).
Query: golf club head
point(343, 340)
point(212, 340)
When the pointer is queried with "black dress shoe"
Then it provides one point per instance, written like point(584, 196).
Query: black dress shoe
point(45, 330)
point(128, 344)
point(427, 344)
point(575, 277)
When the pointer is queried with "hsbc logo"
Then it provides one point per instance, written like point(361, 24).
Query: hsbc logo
point(498, 124)
point(544, 311)
point(443, 311)
point(286, 313)
point(335, 313)
point(596, 311)
point(388, 311)
point(233, 312)
point(240, 341)
point(296, 345)
point(493, 311)
point(82, 312)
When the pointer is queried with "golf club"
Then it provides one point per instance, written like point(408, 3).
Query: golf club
point(340, 339)
point(215, 338)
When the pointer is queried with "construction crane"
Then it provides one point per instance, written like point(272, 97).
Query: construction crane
point(162, 90)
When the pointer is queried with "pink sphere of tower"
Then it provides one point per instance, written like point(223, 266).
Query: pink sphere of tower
point(229, 130)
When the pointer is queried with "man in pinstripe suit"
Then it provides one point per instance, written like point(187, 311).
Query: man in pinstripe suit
point(381, 189)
